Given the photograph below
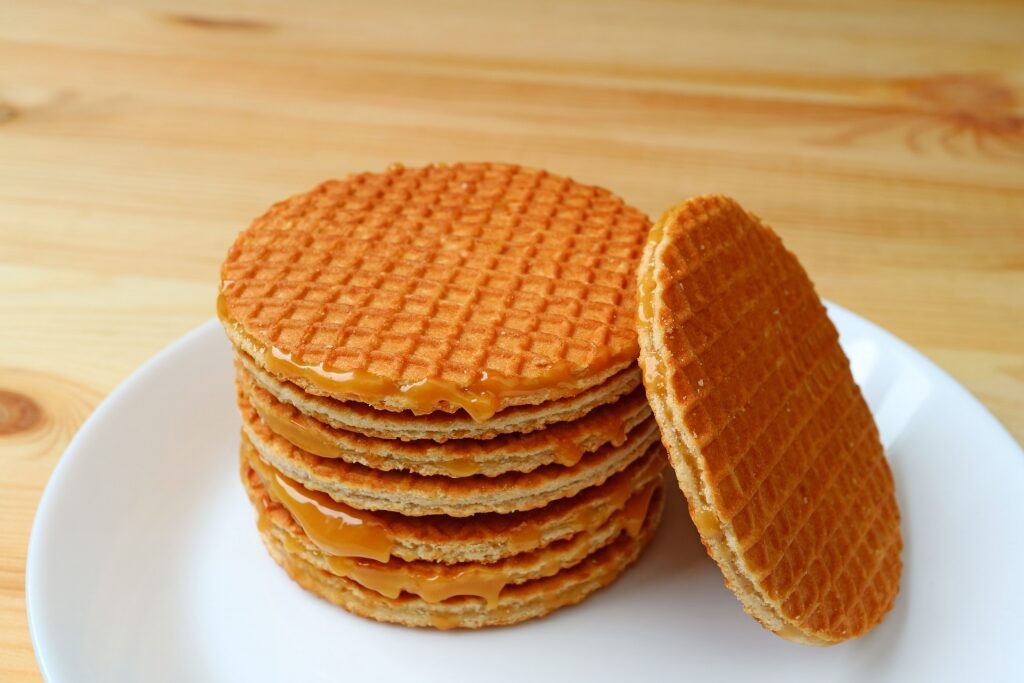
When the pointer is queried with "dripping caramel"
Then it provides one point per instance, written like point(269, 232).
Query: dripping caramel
point(335, 528)
point(481, 397)
point(298, 434)
point(636, 508)
point(474, 580)
point(316, 442)
point(444, 622)
point(392, 581)
point(568, 448)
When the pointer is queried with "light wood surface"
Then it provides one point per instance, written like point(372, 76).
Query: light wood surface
point(884, 141)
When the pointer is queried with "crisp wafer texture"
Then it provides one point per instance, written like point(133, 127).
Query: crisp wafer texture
point(516, 603)
point(414, 495)
point(488, 537)
point(770, 438)
point(436, 581)
point(405, 426)
point(564, 443)
point(472, 286)
point(442, 416)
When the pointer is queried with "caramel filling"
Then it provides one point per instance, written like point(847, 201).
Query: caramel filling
point(524, 538)
point(337, 529)
point(619, 495)
point(481, 396)
point(568, 452)
point(318, 442)
point(392, 581)
point(466, 467)
point(444, 622)
point(568, 449)
point(636, 509)
point(343, 533)
point(474, 580)
point(304, 437)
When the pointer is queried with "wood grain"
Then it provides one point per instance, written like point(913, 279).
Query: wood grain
point(884, 141)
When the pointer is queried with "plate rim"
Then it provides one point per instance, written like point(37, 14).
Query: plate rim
point(44, 509)
point(44, 516)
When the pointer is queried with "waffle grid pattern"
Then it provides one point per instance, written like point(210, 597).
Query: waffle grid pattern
point(787, 445)
point(444, 272)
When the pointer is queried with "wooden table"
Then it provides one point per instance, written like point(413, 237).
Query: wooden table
point(886, 145)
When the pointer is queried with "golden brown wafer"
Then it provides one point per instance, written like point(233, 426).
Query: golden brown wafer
point(441, 427)
point(768, 433)
point(517, 603)
point(488, 537)
point(470, 286)
point(414, 494)
point(565, 443)
point(434, 581)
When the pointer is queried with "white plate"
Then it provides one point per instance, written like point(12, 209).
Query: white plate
point(145, 565)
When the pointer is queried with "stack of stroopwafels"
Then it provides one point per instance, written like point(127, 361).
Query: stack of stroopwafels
point(443, 422)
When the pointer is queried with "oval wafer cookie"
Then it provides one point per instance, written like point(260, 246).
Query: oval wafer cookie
point(768, 433)
point(472, 287)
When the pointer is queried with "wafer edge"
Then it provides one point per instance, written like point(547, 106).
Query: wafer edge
point(717, 536)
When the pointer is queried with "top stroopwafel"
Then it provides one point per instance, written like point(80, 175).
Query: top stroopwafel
point(474, 286)
point(769, 435)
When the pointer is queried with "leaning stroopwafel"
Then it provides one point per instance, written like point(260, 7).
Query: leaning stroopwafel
point(769, 436)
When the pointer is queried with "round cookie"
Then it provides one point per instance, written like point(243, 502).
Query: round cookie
point(768, 433)
point(472, 287)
